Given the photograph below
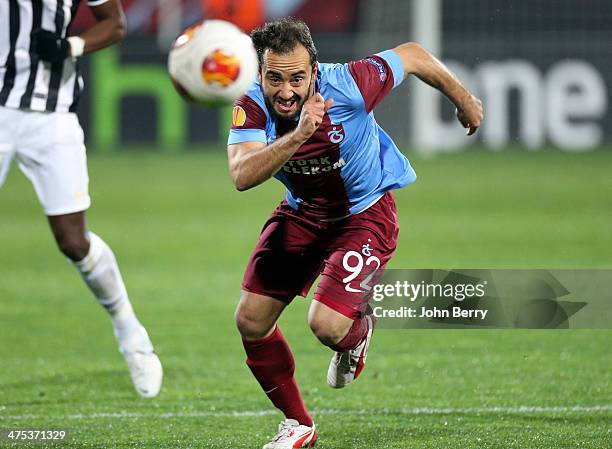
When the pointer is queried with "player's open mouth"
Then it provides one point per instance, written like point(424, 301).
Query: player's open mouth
point(285, 105)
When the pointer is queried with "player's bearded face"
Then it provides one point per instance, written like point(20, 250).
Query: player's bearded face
point(287, 81)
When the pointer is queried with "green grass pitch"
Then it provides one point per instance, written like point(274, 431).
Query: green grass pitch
point(182, 235)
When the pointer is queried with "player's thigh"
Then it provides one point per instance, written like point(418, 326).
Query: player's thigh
point(53, 158)
point(359, 253)
point(286, 260)
point(257, 314)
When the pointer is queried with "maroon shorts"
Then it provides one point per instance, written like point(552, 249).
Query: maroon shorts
point(293, 250)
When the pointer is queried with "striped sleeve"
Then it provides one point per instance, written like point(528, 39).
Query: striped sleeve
point(376, 75)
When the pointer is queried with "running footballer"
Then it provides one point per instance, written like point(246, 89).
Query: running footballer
point(310, 125)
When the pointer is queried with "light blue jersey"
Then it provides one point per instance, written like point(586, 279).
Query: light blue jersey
point(350, 161)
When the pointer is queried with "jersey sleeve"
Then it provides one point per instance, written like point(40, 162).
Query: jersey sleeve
point(376, 75)
point(248, 122)
point(96, 2)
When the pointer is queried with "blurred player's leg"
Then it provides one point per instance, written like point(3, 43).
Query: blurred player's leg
point(98, 267)
point(52, 155)
point(271, 362)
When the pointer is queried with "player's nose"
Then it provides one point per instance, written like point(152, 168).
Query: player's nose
point(286, 92)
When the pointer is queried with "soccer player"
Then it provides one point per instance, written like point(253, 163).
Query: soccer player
point(39, 90)
point(311, 126)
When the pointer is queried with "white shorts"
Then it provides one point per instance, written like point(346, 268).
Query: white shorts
point(50, 150)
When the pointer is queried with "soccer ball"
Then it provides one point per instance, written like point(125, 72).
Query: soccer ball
point(212, 63)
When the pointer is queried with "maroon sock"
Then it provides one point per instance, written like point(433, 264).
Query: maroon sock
point(355, 335)
point(271, 362)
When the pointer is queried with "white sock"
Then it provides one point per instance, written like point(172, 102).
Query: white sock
point(101, 274)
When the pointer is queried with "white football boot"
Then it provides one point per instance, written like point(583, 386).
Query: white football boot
point(346, 366)
point(291, 434)
point(144, 365)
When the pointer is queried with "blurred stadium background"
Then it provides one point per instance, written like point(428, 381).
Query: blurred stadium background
point(542, 68)
point(532, 190)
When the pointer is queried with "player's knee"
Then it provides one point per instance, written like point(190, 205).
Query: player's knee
point(249, 326)
point(329, 332)
point(74, 246)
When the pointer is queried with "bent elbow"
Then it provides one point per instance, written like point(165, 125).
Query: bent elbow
point(240, 184)
point(240, 187)
point(410, 48)
point(413, 55)
point(120, 28)
point(121, 31)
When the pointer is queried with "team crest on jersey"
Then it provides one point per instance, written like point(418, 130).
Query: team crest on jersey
point(382, 72)
point(238, 116)
point(336, 135)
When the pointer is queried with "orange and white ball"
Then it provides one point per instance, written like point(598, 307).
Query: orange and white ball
point(212, 62)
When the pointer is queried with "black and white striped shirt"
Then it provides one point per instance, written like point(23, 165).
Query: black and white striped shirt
point(26, 82)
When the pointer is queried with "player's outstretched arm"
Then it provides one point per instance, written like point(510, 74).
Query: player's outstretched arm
point(251, 163)
point(428, 68)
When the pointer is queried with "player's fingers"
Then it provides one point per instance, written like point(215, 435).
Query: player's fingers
point(318, 98)
point(328, 104)
point(318, 117)
point(319, 108)
point(312, 90)
point(472, 129)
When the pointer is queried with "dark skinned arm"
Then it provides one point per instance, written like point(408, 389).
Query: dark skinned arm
point(110, 27)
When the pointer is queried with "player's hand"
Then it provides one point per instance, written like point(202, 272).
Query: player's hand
point(312, 115)
point(49, 46)
point(470, 113)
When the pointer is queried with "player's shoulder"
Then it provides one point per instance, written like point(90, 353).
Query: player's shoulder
point(336, 81)
point(252, 106)
point(253, 98)
point(335, 75)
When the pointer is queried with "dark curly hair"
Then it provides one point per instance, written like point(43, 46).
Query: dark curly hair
point(282, 36)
